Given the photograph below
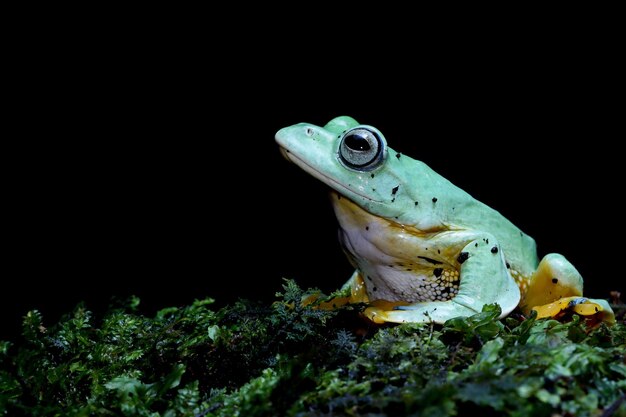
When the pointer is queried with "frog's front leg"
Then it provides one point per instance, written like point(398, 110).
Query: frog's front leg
point(557, 287)
point(354, 291)
point(484, 279)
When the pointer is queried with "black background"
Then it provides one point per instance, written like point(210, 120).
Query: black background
point(161, 177)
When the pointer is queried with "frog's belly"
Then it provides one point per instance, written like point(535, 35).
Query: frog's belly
point(390, 277)
point(411, 286)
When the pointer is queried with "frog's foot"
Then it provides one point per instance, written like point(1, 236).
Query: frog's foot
point(595, 311)
point(556, 288)
point(381, 311)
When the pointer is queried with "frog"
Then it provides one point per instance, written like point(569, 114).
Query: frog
point(423, 249)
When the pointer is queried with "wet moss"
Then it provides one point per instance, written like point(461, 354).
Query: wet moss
point(254, 359)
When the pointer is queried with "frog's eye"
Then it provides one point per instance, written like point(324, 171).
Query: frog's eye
point(361, 148)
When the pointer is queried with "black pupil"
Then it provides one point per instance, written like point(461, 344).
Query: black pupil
point(357, 143)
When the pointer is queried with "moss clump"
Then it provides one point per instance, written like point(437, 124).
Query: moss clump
point(257, 360)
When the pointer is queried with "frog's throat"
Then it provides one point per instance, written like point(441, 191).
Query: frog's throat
point(331, 182)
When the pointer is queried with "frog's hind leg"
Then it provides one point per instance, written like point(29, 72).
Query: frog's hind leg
point(484, 280)
point(557, 287)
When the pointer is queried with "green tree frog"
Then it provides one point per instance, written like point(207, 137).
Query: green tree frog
point(425, 250)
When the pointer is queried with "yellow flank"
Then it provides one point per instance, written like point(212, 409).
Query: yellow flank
point(521, 281)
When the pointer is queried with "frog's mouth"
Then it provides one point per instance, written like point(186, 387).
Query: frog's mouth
point(322, 177)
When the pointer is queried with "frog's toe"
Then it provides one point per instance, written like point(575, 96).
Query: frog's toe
point(593, 309)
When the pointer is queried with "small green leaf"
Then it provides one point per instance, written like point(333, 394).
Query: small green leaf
point(546, 397)
point(4, 348)
point(123, 384)
point(490, 351)
point(214, 332)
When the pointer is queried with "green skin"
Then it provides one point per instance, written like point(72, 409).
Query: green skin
point(402, 224)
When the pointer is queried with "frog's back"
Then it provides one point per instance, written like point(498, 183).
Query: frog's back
point(449, 207)
point(520, 249)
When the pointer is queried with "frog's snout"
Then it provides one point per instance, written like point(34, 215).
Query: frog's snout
point(281, 139)
point(291, 139)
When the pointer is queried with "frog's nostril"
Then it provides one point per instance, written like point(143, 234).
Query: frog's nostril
point(309, 131)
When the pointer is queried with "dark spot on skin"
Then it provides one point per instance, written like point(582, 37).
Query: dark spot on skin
point(494, 249)
point(367, 228)
point(508, 265)
point(438, 272)
point(375, 289)
point(409, 269)
point(475, 245)
point(334, 305)
point(394, 190)
point(368, 277)
point(372, 175)
point(555, 280)
point(338, 196)
point(393, 199)
point(398, 155)
point(521, 234)
point(397, 219)
point(438, 251)
point(390, 266)
point(434, 199)
point(576, 301)
point(462, 257)
point(374, 189)
point(432, 261)
point(596, 308)
point(453, 208)
point(416, 203)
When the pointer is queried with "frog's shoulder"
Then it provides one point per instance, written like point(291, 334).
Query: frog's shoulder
point(446, 206)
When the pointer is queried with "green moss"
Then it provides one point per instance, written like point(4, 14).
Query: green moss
point(252, 359)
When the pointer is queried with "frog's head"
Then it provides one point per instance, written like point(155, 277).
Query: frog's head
point(349, 157)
